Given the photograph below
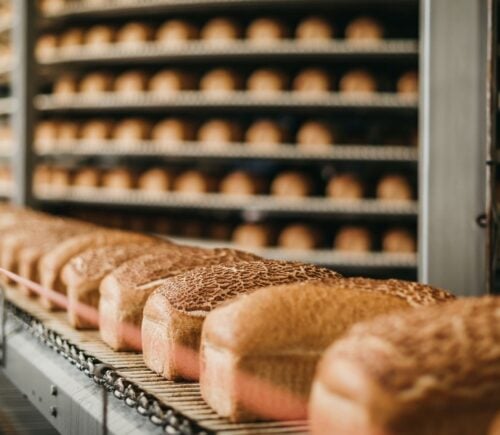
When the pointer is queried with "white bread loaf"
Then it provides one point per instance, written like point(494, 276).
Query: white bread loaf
point(125, 291)
point(174, 313)
point(83, 274)
point(434, 371)
point(276, 336)
point(53, 261)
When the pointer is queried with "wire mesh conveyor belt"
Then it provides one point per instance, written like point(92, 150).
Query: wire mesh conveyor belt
point(176, 406)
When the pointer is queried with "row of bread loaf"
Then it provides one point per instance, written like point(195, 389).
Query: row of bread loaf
point(263, 82)
point(394, 356)
point(215, 133)
point(174, 33)
point(290, 183)
point(254, 236)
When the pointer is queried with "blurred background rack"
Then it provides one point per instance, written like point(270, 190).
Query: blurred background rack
point(361, 182)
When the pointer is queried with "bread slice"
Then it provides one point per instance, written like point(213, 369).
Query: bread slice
point(83, 274)
point(52, 262)
point(434, 371)
point(125, 291)
point(174, 314)
point(259, 353)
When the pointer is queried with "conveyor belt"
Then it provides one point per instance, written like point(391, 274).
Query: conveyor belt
point(132, 380)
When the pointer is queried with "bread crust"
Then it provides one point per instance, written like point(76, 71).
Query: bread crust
point(125, 291)
point(181, 304)
point(52, 262)
point(430, 371)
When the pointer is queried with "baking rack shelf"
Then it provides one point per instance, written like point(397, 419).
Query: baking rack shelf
point(129, 7)
point(243, 101)
point(194, 150)
point(202, 52)
point(214, 201)
point(325, 257)
point(176, 407)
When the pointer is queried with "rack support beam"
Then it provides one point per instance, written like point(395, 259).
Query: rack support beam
point(453, 251)
point(24, 33)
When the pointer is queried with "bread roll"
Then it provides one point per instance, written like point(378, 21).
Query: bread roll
point(5, 175)
point(394, 187)
point(266, 82)
point(134, 34)
point(49, 7)
point(118, 179)
point(124, 292)
point(6, 54)
point(398, 240)
point(46, 45)
point(45, 135)
point(71, 39)
point(83, 274)
point(266, 30)
point(220, 31)
point(194, 182)
point(353, 239)
point(155, 180)
point(358, 81)
point(292, 184)
point(170, 81)
point(172, 323)
point(66, 84)
point(99, 36)
point(265, 134)
point(130, 130)
point(130, 82)
point(87, 177)
point(52, 262)
point(220, 82)
point(427, 371)
point(42, 177)
point(298, 236)
point(241, 183)
point(345, 186)
point(259, 352)
point(218, 133)
point(60, 178)
point(253, 235)
point(314, 29)
point(315, 136)
point(408, 83)
point(96, 82)
point(68, 131)
point(312, 81)
point(364, 29)
point(173, 33)
point(95, 130)
point(172, 132)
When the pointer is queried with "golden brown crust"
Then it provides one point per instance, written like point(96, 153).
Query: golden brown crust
point(296, 316)
point(439, 362)
point(200, 291)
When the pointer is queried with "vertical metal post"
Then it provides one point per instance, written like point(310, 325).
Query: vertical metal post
point(453, 152)
point(23, 89)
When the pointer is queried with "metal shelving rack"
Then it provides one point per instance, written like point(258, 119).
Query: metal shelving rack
point(195, 53)
point(432, 152)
